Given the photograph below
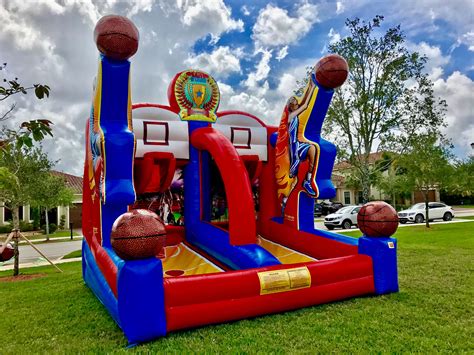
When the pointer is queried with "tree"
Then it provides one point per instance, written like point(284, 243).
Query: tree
point(427, 166)
point(28, 131)
point(21, 164)
point(391, 177)
point(51, 191)
point(366, 113)
point(21, 170)
point(463, 178)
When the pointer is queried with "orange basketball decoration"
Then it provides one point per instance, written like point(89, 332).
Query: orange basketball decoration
point(377, 219)
point(331, 71)
point(116, 37)
point(8, 252)
point(138, 234)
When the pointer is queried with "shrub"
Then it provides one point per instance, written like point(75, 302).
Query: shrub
point(35, 216)
point(26, 227)
point(52, 228)
point(5, 228)
point(62, 222)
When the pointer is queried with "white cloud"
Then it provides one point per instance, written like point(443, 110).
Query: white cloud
point(262, 69)
point(220, 63)
point(212, 15)
point(282, 53)
point(275, 27)
point(458, 91)
point(245, 10)
point(340, 7)
point(468, 40)
point(435, 58)
point(333, 36)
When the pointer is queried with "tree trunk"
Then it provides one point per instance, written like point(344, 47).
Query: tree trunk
point(365, 181)
point(47, 223)
point(16, 251)
point(427, 210)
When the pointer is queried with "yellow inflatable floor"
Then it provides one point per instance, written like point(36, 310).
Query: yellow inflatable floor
point(181, 260)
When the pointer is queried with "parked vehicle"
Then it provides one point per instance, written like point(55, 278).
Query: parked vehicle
point(343, 218)
point(330, 207)
point(417, 213)
point(318, 210)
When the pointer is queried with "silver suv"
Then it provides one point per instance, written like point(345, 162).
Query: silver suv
point(417, 213)
point(344, 218)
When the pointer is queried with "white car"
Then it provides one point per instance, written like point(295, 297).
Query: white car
point(343, 218)
point(417, 213)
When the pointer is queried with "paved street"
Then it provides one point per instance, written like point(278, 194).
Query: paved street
point(54, 251)
point(458, 212)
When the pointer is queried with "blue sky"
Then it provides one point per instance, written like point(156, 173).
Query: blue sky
point(256, 50)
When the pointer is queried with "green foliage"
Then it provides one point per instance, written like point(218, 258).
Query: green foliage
point(22, 170)
point(52, 191)
point(52, 228)
point(62, 222)
point(427, 166)
point(26, 227)
point(463, 181)
point(35, 216)
point(5, 228)
point(28, 131)
point(377, 104)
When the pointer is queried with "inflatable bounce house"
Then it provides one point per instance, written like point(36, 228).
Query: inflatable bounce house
point(154, 277)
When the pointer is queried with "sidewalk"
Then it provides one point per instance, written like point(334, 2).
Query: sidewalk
point(42, 262)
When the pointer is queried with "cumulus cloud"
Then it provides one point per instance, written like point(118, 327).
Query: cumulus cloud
point(340, 7)
point(245, 10)
point(436, 60)
point(219, 63)
point(458, 91)
point(333, 36)
point(275, 27)
point(282, 53)
point(262, 69)
point(211, 14)
point(468, 40)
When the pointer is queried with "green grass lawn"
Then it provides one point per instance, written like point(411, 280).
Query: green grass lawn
point(433, 311)
point(464, 206)
point(73, 254)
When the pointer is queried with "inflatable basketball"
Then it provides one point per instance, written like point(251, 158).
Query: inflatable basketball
point(138, 234)
point(331, 71)
point(377, 219)
point(116, 37)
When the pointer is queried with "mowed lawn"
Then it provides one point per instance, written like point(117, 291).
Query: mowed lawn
point(433, 312)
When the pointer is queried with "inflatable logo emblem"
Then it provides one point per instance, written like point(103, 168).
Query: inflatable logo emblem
point(197, 96)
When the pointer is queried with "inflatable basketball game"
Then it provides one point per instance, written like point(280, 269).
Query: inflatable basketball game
point(155, 278)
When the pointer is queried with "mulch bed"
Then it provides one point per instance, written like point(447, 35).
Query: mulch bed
point(21, 278)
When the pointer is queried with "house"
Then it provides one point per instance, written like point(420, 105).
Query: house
point(72, 214)
point(349, 195)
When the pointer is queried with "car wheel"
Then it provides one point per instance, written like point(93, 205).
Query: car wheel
point(447, 216)
point(419, 218)
point(346, 224)
point(403, 222)
point(330, 227)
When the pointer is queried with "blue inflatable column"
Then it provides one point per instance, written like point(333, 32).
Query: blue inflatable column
point(383, 252)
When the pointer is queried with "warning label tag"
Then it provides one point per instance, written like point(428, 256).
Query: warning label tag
point(284, 280)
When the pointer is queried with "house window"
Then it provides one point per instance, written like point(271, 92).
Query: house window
point(347, 197)
point(360, 198)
